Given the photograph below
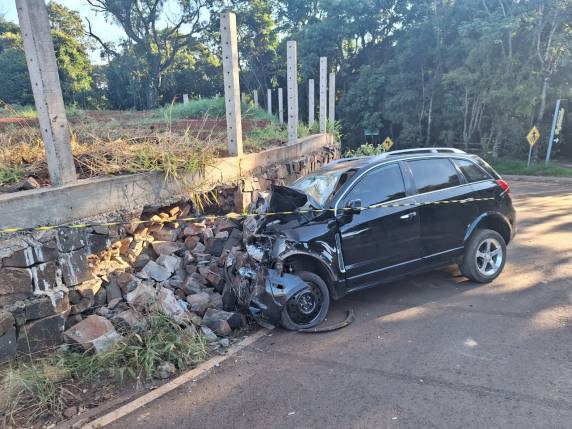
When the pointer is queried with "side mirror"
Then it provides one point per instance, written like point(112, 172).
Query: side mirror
point(353, 207)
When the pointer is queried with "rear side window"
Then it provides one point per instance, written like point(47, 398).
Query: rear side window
point(471, 171)
point(379, 186)
point(488, 168)
point(433, 174)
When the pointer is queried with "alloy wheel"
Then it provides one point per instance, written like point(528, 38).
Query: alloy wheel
point(489, 257)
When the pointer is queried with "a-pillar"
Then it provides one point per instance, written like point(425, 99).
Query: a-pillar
point(43, 70)
point(231, 82)
point(292, 80)
point(323, 92)
point(281, 105)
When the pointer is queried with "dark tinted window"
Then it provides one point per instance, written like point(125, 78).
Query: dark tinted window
point(379, 186)
point(471, 171)
point(433, 174)
point(488, 168)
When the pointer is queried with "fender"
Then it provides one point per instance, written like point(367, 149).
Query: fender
point(497, 216)
point(314, 257)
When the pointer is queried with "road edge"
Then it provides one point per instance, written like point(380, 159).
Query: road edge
point(538, 179)
point(184, 378)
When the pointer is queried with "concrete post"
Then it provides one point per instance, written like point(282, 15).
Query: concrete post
point(243, 98)
point(231, 83)
point(185, 98)
point(280, 105)
point(269, 101)
point(41, 60)
point(311, 102)
point(256, 98)
point(292, 78)
point(323, 92)
point(332, 95)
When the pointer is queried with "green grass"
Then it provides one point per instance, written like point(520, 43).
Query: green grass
point(207, 108)
point(11, 174)
point(7, 111)
point(520, 168)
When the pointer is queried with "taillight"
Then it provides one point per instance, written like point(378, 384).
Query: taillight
point(504, 185)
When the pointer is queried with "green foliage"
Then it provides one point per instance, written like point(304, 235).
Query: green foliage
point(366, 149)
point(11, 174)
point(504, 166)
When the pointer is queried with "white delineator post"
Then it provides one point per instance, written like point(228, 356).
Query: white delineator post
point(256, 98)
point(311, 107)
point(185, 98)
point(292, 79)
point(43, 69)
point(332, 95)
point(323, 92)
point(231, 82)
point(269, 101)
point(281, 105)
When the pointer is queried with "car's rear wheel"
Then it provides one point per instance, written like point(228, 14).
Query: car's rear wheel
point(308, 308)
point(485, 256)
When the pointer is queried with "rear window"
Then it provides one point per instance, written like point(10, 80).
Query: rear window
point(433, 174)
point(487, 168)
point(471, 171)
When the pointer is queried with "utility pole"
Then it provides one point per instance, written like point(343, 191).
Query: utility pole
point(332, 94)
point(43, 69)
point(231, 83)
point(269, 101)
point(552, 131)
point(323, 93)
point(310, 102)
point(281, 105)
point(292, 78)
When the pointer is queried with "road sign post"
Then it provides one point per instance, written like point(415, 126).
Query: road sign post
point(532, 137)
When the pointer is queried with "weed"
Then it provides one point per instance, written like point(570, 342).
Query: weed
point(11, 173)
point(366, 149)
point(504, 166)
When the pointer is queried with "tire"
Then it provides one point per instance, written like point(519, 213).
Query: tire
point(485, 256)
point(293, 318)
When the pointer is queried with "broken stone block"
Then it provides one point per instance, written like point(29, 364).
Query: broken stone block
point(89, 288)
point(74, 296)
point(224, 225)
point(220, 327)
point(234, 320)
point(142, 260)
point(72, 320)
point(97, 243)
point(127, 282)
point(191, 242)
point(112, 290)
point(169, 262)
point(216, 246)
point(8, 345)
point(215, 300)
point(165, 370)
point(32, 255)
point(199, 302)
point(18, 310)
point(209, 334)
point(100, 298)
point(202, 257)
point(45, 276)
point(16, 282)
point(222, 235)
point(142, 297)
point(199, 248)
point(194, 229)
point(38, 308)
point(166, 247)
point(84, 304)
point(156, 272)
point(169, 305)
point(7, 322)
point(166, 234)
point(69, 239)
point(40, 334)
point(93, 333)
point(129, 319)
point(191, 286)
point(234, 239)
point(75, 268)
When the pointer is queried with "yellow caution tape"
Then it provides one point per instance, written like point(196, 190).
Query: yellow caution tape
point(233, 216)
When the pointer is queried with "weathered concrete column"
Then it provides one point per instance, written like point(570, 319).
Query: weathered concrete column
point(311, 107)
point(43, 69)
point(269, 101)
point(231, 83)
point(243, 98)
point(256, 98)
point(332, 95)
point(292, 78)
point(280, 105)
point(323, 92)
point(185, 98)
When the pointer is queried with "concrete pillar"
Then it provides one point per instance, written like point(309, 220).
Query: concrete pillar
point(185, 98)
point(323, 92)
point(256, 98)
point(41, 60)
point(332, 95)
point(243, 98)
point(292, 78)
point(269, 101)
point(311, 107)
point(280, 105)
point(231, 83)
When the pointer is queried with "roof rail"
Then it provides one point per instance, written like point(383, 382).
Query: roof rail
point(422, 150)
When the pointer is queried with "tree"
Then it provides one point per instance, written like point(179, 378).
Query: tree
point(156, 47)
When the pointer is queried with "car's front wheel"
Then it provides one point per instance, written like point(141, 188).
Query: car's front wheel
point(485, 256)
point(308, 308)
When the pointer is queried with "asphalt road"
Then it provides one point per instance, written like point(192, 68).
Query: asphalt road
point(431, 351)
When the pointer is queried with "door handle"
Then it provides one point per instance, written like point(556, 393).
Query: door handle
point(408, 216)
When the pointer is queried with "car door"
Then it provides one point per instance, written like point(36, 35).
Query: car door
point(443, 220)
point(378, 242)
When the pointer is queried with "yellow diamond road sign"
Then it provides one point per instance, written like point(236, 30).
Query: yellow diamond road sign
point(387, 144)
point(533, 136)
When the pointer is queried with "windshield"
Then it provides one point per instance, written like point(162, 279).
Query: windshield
point(320, 186)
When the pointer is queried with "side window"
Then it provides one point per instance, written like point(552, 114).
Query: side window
point(433, 174)
point(471, 171)
point(379, 186)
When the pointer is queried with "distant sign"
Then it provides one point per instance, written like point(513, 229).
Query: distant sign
point(370, 132)
point(533, 136)
point(387, 144)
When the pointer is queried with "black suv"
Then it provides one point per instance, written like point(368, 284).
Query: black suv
point(365, 221)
